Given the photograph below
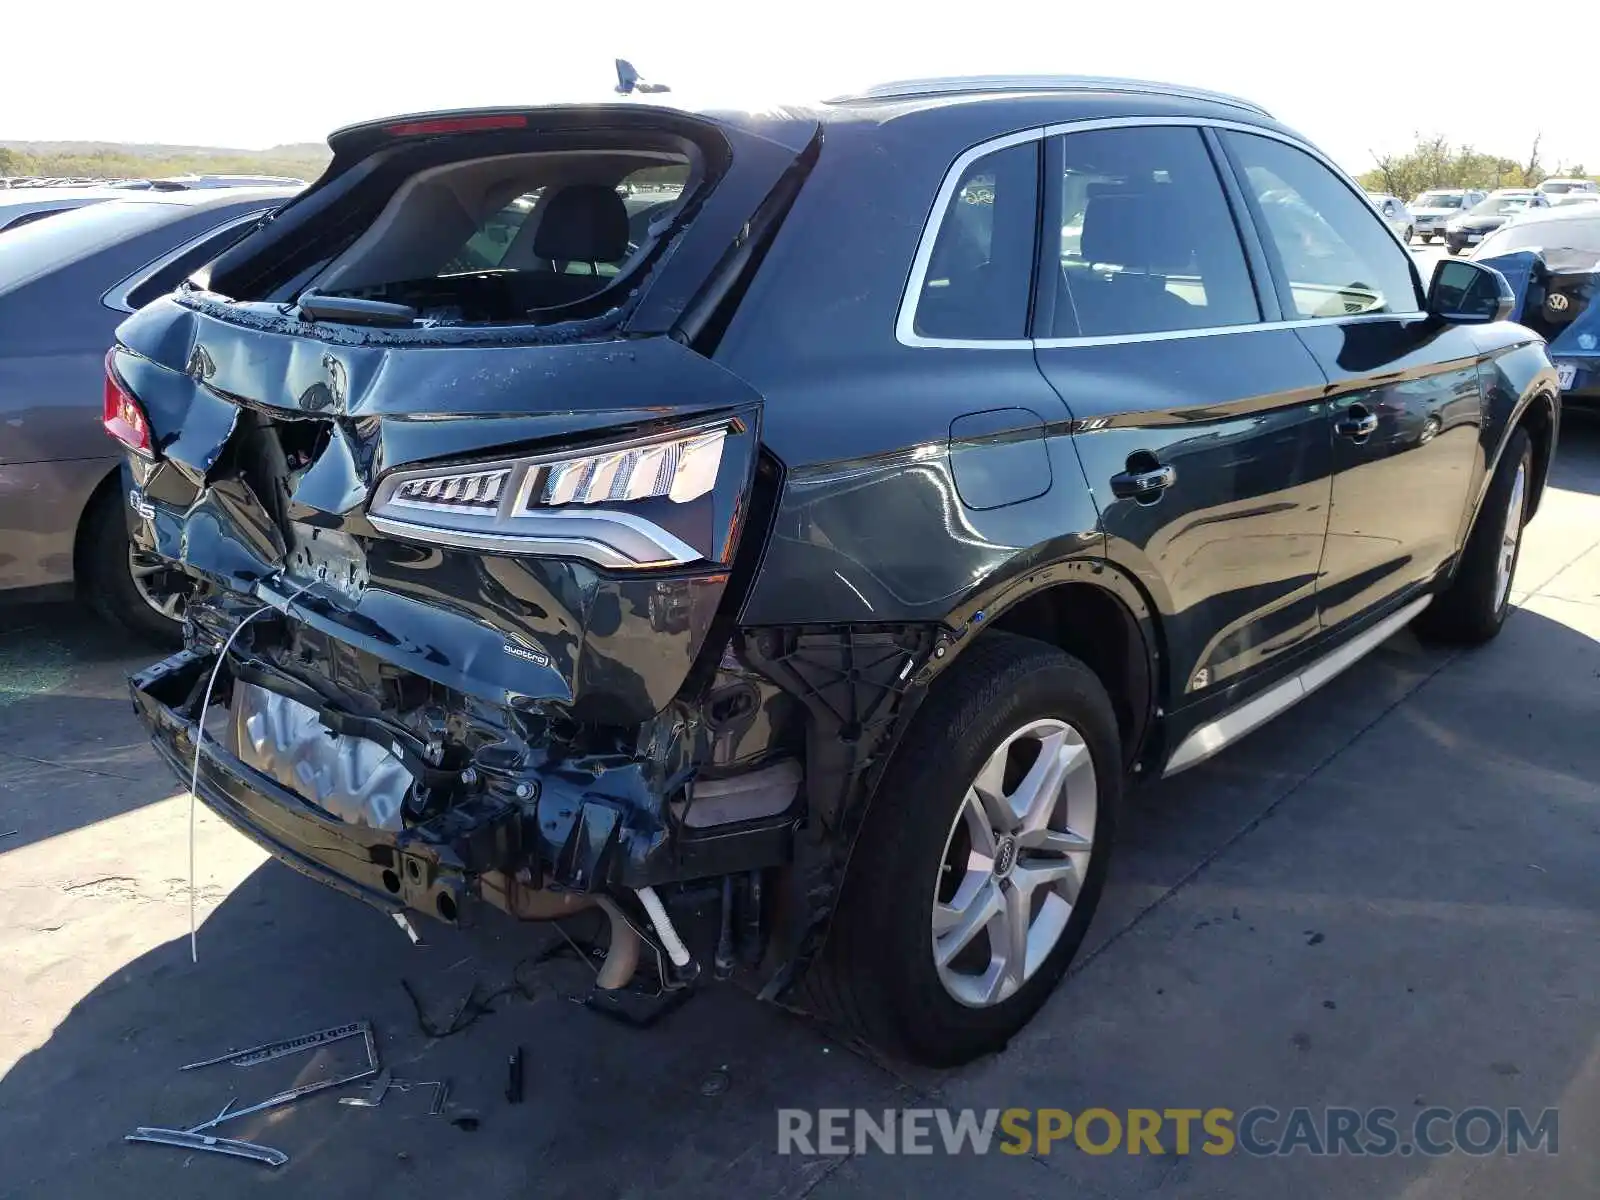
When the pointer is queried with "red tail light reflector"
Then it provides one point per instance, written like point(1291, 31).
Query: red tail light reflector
point(457, 125)
point(122, 414)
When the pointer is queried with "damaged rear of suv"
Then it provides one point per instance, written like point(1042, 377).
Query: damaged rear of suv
point(802, 520)
point(465, 502)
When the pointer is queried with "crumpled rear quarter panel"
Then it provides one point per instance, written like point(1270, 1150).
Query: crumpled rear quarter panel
point(611, 648)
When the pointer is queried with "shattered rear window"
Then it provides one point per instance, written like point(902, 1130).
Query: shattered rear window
point(503, 239)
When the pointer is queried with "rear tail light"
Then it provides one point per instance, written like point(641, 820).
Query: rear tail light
point(122, 414)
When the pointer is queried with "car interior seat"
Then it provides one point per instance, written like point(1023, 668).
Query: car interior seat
point(1140, 228)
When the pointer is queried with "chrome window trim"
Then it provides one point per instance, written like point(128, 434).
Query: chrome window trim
point(905, 320)
point(116, 296)
point(905, 324)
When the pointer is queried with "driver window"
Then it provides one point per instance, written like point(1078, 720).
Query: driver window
point(1334, 251)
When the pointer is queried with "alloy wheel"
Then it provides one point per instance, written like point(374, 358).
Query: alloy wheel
point(163, 589)
point(1510, 536)
point(1014, 862)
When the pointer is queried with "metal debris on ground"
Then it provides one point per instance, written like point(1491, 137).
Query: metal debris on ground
point(715, 1083)
point(195, 1137)
point(268, 1051)
point(514, 1078)
point(380, 1088)
point(186, 1140)
point(407, 928)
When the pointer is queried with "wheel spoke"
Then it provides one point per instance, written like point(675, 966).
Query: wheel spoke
point(961, 925)
point(1060, 874)
point(989, 787)
point(1009, 941)
point(1055, 841)
point(976, 816)
point(1062, 758)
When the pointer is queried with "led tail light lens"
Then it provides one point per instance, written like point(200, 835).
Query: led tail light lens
point(594, 504)
point(122, 414)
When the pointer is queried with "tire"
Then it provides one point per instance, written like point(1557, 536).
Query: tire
point(1451, 248)
point(106, 581)
point(1473, 608)
point(876, 976)
point(1410, 233)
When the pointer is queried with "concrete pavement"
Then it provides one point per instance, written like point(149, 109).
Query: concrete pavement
point(1387, 897)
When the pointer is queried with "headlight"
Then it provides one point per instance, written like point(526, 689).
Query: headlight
point(608, 505)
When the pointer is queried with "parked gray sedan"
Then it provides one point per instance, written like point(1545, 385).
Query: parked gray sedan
point(65, 284)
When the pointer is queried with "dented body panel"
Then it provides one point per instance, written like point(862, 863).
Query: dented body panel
point(569, 727)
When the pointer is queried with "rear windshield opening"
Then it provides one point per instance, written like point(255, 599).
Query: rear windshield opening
point(514, 238)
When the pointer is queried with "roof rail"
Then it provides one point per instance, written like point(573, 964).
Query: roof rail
point(954, 85)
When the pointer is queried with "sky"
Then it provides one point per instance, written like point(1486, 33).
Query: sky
point(1353, 77)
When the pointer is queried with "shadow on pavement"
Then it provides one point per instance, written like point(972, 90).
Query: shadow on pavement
point(1577, 464)
point(1401, 817)
point(71, 752)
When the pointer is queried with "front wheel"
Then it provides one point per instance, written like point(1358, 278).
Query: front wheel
point(1410, 233)
point(1474, 607)
point(981, 861)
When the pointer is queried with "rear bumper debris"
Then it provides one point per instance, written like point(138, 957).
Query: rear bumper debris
point(518, 831)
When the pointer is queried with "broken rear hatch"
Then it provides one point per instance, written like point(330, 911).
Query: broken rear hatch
point(446, 412)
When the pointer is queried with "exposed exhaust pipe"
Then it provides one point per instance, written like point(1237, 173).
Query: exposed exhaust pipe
point(528, 903)
point(676, 950)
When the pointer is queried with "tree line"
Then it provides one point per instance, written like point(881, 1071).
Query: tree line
point(116, 163)
point(1435, 163)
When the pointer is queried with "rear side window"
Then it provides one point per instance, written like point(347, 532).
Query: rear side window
point(979, 275)
point(1334, 253)
point(1148, 244)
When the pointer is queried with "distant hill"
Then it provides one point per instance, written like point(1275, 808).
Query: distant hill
point(133, 160)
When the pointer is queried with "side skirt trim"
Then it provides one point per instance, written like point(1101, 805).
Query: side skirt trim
point(1233, 725)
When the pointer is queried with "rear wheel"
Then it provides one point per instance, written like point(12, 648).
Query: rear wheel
point(1410, 233)
point(1474, 607)
point(980, 864)
point(140, 593)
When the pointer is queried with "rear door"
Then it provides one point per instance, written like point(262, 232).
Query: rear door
point(1404, 403)
point(1200, 425)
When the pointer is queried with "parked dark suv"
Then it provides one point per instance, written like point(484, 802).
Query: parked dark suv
point(819, 546)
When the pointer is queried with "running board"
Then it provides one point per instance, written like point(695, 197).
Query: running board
point(1233, 725)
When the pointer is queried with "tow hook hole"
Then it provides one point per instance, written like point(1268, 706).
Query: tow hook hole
point(412, 870)
point(446, 906)
point(391, 881)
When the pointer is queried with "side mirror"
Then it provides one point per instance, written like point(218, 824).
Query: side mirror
point(1468, 293)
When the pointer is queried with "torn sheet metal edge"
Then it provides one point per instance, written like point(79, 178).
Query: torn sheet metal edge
point(188, 1140)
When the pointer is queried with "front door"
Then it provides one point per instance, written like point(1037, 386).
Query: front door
point(1201, 429)
point(1404, 405)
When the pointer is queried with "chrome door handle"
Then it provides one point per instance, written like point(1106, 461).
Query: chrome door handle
point(1144, 486)
point(1357, 424)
